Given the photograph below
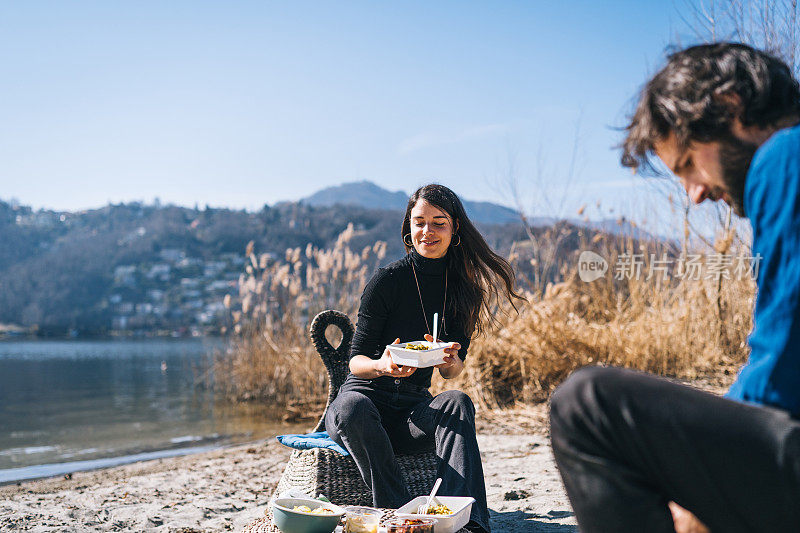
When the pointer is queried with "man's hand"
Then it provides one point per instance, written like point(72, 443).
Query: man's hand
point(685, 521)
point(385, 366)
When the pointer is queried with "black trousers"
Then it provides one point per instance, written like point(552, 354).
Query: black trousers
point(627, 443)
point(373, 424)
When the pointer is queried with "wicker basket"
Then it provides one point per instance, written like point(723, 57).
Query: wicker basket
point(322, 471)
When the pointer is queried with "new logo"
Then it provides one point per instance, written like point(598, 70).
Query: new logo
point(591, 266)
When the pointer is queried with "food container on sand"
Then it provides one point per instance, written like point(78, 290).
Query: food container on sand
point(432, 355)
point(411, 525)
point(459, 505)
point(362, 520)
point(290, 521)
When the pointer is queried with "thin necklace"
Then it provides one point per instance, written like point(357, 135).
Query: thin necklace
point(444, 303)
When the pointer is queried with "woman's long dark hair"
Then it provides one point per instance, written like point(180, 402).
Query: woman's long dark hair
point(477, 274)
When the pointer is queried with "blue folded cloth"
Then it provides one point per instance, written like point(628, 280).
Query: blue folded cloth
point(311, 440)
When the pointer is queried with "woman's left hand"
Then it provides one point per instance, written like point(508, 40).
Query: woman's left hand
point(453, 365)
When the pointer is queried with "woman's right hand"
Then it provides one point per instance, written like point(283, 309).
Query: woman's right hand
point(386, 367)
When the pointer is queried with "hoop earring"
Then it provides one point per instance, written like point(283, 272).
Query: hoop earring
point(408, 242)
point(459, 240)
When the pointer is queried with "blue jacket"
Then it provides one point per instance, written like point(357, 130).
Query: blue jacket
point(772, 203)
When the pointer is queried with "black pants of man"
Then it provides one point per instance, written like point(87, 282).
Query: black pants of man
point(627, 443)
point(373, 424)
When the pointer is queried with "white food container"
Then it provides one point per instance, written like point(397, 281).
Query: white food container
point(460, 505)
point(402, 356)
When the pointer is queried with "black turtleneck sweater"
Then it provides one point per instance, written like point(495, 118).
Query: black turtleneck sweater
point(390, 308)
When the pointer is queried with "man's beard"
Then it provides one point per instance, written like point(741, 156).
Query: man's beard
point(735, 157)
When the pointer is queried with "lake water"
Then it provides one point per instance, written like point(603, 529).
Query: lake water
point(77, 405)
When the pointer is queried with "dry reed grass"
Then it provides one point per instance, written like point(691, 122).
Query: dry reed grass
point(270, 357)
point(684, 328)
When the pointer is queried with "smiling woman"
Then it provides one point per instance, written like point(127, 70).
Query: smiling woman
point(432, 230)
point(435, 225)
point(449, 275)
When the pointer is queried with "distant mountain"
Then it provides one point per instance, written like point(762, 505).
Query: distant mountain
point(489, 213)
point(151, 269)
point(368, 195)
point(360, 193)
point(622, 227)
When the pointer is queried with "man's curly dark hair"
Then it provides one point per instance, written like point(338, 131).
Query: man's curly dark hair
point(688, 98)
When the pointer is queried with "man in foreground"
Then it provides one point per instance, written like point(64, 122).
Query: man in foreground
point(639, 453)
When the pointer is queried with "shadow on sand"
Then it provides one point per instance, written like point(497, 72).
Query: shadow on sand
point(527, 522)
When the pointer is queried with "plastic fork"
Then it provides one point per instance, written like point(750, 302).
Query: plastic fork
point(423, 509)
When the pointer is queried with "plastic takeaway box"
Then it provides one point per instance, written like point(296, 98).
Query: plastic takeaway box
point(460, 505)
point(434, 355)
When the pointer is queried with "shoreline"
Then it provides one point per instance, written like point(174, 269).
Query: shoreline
point(179, 447)
point(227, 488)
point(51, 470)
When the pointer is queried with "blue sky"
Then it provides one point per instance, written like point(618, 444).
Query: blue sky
point(244, 103)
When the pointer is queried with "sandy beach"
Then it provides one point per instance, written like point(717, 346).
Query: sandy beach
point(223, 490)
